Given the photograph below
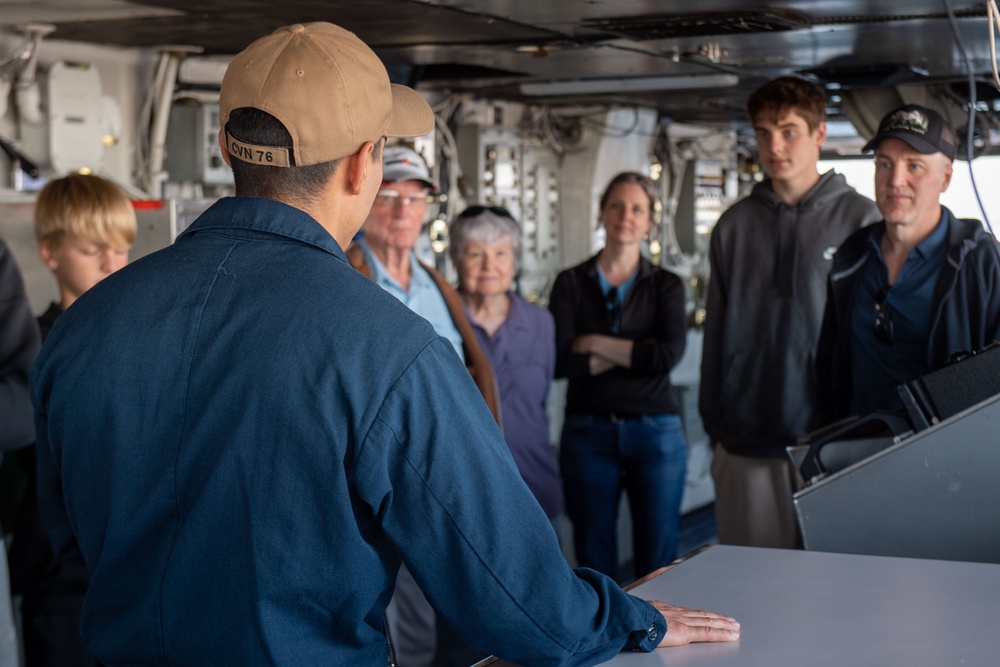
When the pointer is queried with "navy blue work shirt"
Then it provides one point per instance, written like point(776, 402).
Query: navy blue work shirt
point(244, 436)
point(878, 366)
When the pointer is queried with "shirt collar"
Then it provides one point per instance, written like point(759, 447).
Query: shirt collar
point(264, 215)
point(419, 279)
point(933, 243)
point(517, 316)
point(926, 248)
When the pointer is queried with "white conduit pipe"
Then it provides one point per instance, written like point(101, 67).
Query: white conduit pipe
point(161, 116)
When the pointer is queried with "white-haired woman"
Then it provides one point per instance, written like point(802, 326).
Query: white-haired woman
point(517, 336)
point(519, 339)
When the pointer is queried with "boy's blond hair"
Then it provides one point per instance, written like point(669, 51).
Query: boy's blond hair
point(88, 206)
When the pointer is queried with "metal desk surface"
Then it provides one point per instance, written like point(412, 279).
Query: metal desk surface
point(832, 610)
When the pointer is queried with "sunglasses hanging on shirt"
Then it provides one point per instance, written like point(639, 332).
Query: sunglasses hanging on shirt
point(883, 316)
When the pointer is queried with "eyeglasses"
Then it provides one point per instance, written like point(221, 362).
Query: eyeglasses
point(390, 198)
point(883, 316)
point(615, 308)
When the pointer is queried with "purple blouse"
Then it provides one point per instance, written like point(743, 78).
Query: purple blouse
point(523, 355)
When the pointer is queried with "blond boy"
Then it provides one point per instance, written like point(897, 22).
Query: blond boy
point(85, 227)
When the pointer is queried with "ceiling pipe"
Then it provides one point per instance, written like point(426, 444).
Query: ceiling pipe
point(638, 84)
point(166, 82)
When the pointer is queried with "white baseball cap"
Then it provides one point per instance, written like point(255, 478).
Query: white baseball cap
point(402, 163)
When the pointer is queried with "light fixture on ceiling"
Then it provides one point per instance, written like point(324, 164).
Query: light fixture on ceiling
point(638, 84)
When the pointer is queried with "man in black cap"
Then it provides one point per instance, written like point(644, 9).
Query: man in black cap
point(910, 291)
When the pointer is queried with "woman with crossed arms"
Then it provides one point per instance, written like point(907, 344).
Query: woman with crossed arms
point(620, 329)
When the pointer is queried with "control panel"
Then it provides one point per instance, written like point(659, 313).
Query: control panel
point(501, 169)
point(193, 153)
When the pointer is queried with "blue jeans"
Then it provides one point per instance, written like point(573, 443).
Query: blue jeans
point(647, 458)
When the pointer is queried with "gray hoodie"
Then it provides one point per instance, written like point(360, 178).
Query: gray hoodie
point(766, 297)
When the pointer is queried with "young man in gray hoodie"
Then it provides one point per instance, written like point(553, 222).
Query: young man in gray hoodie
point(770, 255)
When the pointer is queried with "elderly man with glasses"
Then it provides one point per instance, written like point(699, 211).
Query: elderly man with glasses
point(907, 293)
point(385, 254)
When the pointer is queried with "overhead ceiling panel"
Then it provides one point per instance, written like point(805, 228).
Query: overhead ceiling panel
point(742, 22)
point(492, 46)
point(227, 26)
point(20, 12)
point(569, 16)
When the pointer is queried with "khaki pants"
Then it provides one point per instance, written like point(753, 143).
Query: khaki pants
point(753, 501)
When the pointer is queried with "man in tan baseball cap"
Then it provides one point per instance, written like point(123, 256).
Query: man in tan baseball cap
point(266, 434)
point(329, 99)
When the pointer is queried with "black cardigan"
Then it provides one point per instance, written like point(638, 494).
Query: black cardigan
point(654, 317)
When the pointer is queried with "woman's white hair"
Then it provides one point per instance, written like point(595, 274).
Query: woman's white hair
point(484, 225)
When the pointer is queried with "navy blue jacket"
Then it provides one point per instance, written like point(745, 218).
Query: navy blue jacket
point(244, 436)
point(965, 311)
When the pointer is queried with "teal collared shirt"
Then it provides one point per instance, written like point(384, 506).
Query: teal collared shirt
point(424, 298)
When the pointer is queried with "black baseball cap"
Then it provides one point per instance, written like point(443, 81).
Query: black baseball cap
point(922, 129)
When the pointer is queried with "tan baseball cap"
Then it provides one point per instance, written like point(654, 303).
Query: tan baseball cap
point(329, 90)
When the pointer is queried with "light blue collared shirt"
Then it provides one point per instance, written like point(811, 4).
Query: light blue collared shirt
point(424, 298)
point(622, 291)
